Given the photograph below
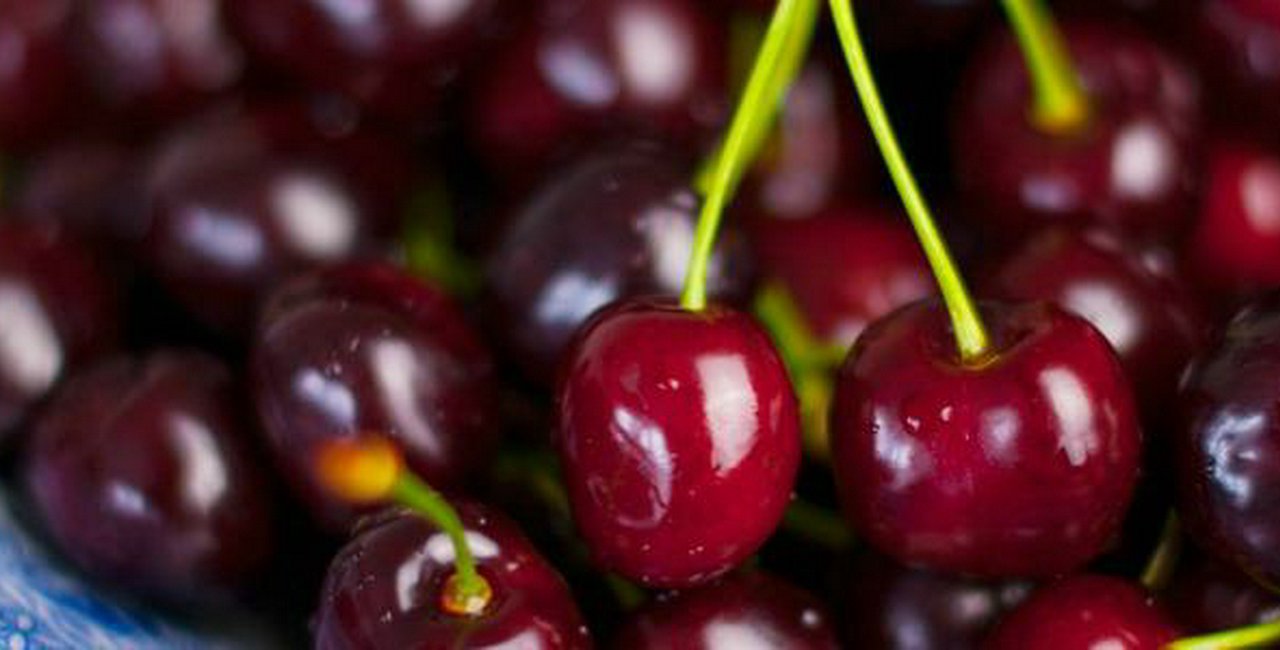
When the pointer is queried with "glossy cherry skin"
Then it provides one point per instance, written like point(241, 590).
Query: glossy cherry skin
point(383, 589)
point(845, 267)
point(580, 71)
point(155, 58)
point(1133, 166)
point(1228, 449)
point(679, 439)
point(1236, 43)
point(1086, 611)
point(38, 83)
point(90, 187)
point(888, 606)
point(369, 349)
point(750, 610)
point(1134, 295)
point(57, 310)
point(235, 207)
point(142, 472)
point(1235, 244)
point(1207, 596)
point(393, 58)
point(617, 224)
point(1021, 466)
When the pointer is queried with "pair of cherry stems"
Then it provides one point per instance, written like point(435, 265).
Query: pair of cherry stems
point(1060, 106)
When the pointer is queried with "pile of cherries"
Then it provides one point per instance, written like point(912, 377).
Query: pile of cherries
point(579, 323)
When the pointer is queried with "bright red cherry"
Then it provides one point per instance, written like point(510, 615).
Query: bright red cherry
point(1235, 246)
point(583, 70)
point(394, 58)
point(384, 589)
point(1207, 596)
point(369, 349)
point(1131, 166)
point(143, 472)
point(1018, 464)
point(1133, 295)
point(845, 267)
point(57, 310)
point(886, 605)
point(1228, 448)
point(746, 611)
point(617, 224)
point(155, 58)
point(679, 438)
point(1086, 611)
point(38, 80)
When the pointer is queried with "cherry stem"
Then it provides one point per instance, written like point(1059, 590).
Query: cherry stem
point(429, 237)
point(971, 335)
point(818, 524)
point(775, 67)
point(1262, 635)
point(470, 593)
point(1061, 105)
point(1160, 567)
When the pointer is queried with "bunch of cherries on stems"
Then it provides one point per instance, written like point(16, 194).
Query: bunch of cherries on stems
point(416, 325)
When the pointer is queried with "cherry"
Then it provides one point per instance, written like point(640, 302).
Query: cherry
point(671, 421)
point(360, 349)
point(1042, 431)
point(888, 605)
point(1133, 296)
point(845, 267)
point(1235, 246)
point(384, 589)
point(616, 224)
point(1237, 45)
point(903, 24)
point(1206, 595)
point(580, 70)
point(752, 610)
point(395, 58)
point(38, 83)
point(142, 472)
point(1086, 611)
point(57, 311)
point(235, 207)
point(155, 58)
point(1228, 449)
point(1127, 161)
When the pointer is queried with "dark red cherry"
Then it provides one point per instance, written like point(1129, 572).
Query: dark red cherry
point(1207, 596)
point(746, 611)
point(887, 606)
point(580, 71)
point(395, 58)
point(845, 267)
point(1228, 449)
point(1086, 611)
point(1132, 294)
point(236, 207)
point(142, 472)
point(155, 58)
point(1235, 246)
point(370, 349)
point(383, 590)
point(57, 310)
point(679, 438)
point(617, 224)
point(1133, 165)
point(918, 24)
point(821, 151)
point(38, 81)
point(1021, 465)
point(1236, 43)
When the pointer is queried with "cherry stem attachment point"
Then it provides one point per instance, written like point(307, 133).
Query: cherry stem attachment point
point(1262, 635)
point(371, 470)
point(785, 42)
point(971, 335)
point(1061, 105)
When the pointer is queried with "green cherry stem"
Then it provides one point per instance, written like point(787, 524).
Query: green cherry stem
point(1061, 105)
point(470, 593)
point(1262, 635)
point(779, 58)
point(1160, 567)
point(971, 336)
point(817, 524)
point(429, 237)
